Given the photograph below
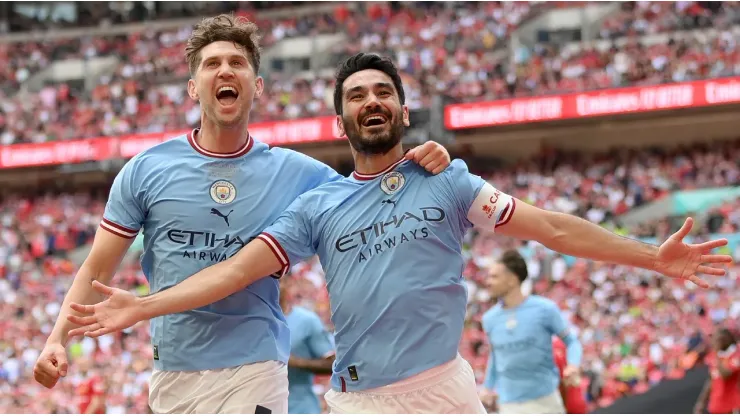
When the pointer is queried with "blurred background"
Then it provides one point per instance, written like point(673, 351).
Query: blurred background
point(625, 114)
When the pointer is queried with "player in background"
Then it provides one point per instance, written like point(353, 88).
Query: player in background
point(389, 238)
point(311, 351)
point(521, 367)
point(721, 394)
point(199, 198)
point(91, 390)
point(571, 391)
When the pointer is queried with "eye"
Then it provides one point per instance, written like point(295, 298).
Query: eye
point(236, 63)
point(212, 64)
point(355, 97)
point(385, 94)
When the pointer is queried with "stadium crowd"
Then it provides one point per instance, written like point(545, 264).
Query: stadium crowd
point(440, 51)
point(627, 319)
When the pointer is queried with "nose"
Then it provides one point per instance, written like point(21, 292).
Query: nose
point(225, 71)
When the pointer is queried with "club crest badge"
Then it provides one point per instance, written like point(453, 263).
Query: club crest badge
point(223, 192)
point(392, 182)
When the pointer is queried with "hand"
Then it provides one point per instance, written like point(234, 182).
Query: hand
point(570, 375)
point(489, 399)
point(51, 364)
point(684, 261)
point(432, 156)
point(119, 311)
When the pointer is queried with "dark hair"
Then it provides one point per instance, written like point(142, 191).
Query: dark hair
point(728, 335)
point(514, 262)
point(224, 27)
point(360, 62)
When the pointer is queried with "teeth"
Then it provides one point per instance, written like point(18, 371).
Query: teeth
point(222, 89)
point(379, 118)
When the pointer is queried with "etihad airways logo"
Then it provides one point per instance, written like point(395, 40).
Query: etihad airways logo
point(381, 236)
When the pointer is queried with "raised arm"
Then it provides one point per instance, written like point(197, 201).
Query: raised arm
point(574, 236)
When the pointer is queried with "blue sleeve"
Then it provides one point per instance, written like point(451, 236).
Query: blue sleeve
point(463, 186)
point(320, 342)
point(124, 212)
point(291, 237)
point(559, 326)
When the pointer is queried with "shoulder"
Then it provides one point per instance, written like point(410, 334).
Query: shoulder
point(542, 302)
point(291, 156)
point(490, 315)
point(157, 156)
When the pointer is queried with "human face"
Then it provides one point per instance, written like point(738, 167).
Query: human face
point(373, 118)
point(501, 281)
point(225, 84)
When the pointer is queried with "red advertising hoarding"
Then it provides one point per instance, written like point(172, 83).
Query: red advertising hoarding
point(276, 133)
point(592, 104)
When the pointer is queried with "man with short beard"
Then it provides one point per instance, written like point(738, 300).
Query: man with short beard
point(390, 239)
point(199, 198)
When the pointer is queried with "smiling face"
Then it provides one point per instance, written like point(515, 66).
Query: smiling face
point(225, 83)
point(373, 118)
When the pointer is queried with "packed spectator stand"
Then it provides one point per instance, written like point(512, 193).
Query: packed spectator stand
point(636, 328)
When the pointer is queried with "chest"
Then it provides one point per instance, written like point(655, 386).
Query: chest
point(216, 203)
point(517, 330)
point(383, 215)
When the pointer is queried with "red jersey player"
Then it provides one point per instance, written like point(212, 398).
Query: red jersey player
point(570, 390)
point(721, 393)
point(90, 392)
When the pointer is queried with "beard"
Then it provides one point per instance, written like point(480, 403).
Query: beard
point(378, 143)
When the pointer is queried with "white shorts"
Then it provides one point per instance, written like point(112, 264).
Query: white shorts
point(250, 388)
point(448, 388)
point(552, 404)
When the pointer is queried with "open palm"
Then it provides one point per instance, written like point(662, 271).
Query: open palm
point(119, 311)
point(686, 261)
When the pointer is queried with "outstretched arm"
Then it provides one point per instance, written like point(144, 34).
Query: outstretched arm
point(574, 236)
point(122, 309)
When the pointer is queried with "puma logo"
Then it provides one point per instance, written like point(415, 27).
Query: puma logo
point(214, 211)
point(389, 201)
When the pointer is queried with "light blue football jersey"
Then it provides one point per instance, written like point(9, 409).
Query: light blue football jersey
point(197, 208)
point(308, 339)
point(522, 366)
point(390, 245)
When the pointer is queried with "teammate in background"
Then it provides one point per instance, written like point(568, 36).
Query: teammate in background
point(571, 391)
point(721, 394)
point(390, 239)
point(521, 366)
point(311, 352)
point(91, 390)
point(199, 198)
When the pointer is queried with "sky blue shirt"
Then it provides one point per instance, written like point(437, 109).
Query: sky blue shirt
point(390, 245)
point(197, 208)
point(521, 366)
point(308, 339)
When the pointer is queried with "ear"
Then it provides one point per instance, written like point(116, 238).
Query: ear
point(192, 91)
point(259, 84)
point(406, 121)
point(340, 127)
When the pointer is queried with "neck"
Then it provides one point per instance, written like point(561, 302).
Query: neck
point(368, 164)
point(220, 139)
point(513, 298)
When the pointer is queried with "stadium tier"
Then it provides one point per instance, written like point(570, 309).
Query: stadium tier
point(623, 114)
